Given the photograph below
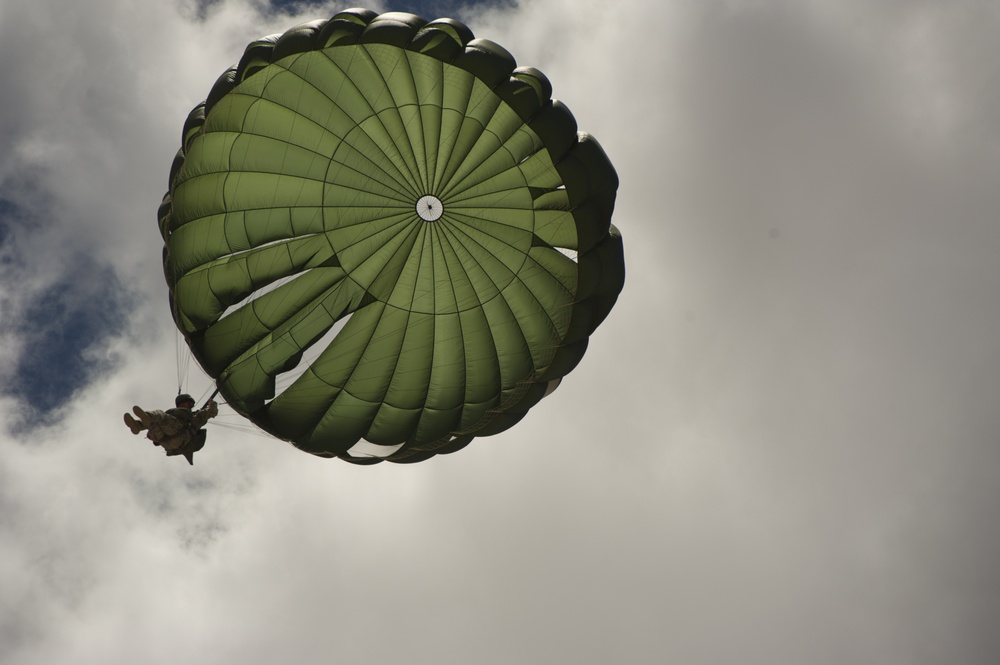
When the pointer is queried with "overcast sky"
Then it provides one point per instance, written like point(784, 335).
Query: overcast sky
point(781, 447)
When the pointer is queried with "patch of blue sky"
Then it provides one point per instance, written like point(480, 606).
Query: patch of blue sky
point(6, 210)
point(429, 9)
point(63, 328)
point(13, 218)
point(60, 312)
point(432, 9)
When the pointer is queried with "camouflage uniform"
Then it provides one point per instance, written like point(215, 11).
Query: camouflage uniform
point(175, 429)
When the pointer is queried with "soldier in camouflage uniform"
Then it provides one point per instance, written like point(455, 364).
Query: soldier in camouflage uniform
point(178, 430)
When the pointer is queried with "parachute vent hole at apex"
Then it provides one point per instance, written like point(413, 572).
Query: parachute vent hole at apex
point(430, 208)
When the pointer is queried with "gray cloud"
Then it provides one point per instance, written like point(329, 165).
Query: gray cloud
point(61, 326)
point(779, 447)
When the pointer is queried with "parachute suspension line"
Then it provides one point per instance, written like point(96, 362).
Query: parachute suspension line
point(240, 426)
point(183, 356)
point(212, 396)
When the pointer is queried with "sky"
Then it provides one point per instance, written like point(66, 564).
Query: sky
point(781, 446)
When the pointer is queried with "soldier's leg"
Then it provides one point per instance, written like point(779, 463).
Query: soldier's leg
point(145, 418)
point(133, 424)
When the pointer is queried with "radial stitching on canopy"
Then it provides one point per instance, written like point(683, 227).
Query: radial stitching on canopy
point(416, 175)
point(403, 169)
point(398, 182)
point(516, 276)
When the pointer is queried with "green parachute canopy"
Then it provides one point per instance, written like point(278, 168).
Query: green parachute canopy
point(379, 228)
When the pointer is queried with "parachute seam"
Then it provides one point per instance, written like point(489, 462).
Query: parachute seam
point(415, 170)
point(461, 326)
point(413, 231)
point(417, 177)
point(404, 222)
point(347, 80)
point(516, 276)
point(402, 202)
point(456, 158)
point(371, 338)
point(457, 221)
point(526, 254)
point(343, 389)
point(433, 231)
point(402, 344)
point(433, 172)
point(472, 282)
point(420, 145)
point(483, 128)
point(271, 244)
point(452, 138)
point(373, 114)
point(460, 186)
point(456, 195)
point(492, 412)
point(343, 140)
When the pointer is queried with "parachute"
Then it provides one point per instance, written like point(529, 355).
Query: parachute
point(380, 229)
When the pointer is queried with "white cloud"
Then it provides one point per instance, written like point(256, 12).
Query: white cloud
point(779, 447)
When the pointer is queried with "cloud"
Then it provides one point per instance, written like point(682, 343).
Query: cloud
point(779, 447)
point(57, 313)
point(61, 326)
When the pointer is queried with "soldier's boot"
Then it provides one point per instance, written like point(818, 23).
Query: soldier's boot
point(143, 417)
point(133, 424)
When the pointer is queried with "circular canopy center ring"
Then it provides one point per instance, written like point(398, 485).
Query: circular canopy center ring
point(429, 208)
